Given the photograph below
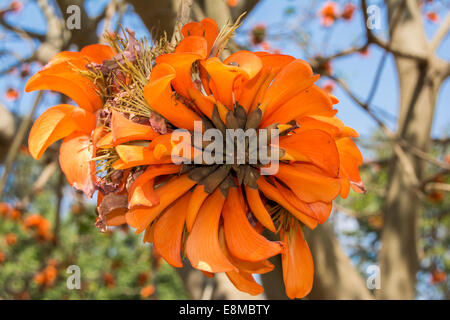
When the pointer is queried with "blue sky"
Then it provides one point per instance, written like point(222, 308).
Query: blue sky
point(358, 71)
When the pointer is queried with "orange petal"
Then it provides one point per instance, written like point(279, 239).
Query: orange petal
point(253, 87)
point(322, 210)
point(206, 28)
point(312, 101)
point(196, 200)
point(133, 156)
point(62, 78)
point(56, 123)
point(124, 130)
point(291, 80)
point(106, 141)
point(345, 186)
point(274, 194)
point(244, 282)
point(298, 265)
point(225, 81)
point(75, 162)
point(144, 195)
point(204, 104)
point(258, 267)
point(276, 62)
point(149, 233)
point(116, 217)
point(141, 190)
point(247, 61)
point(193, 44)
point(351, 158)
point(316, 145)
point(160, 97)
point(308, 182)
point(182, 66)
point(316, 210)
point(169, 192)
point(343, 130)
point(168, 232)
point(311, 122)
point(98, 53)
point(242, 239)
point(202, 245)
point(258, 208)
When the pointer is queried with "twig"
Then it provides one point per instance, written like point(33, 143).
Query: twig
point(372, 38)
point(110, 10)
point(17, 142)
point(41, 181)
point(59, 195)
point(183, 16)
point(437, 186)
point(440, 33)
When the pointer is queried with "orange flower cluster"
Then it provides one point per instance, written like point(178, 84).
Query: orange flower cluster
point(147, 291)
point(329, 13)
point(40, 226)
point(109, 280)
point(10, 239)
point(119, 141)
point(8, 212)
point(47, 276)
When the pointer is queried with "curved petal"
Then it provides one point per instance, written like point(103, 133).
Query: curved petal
point(244, 282)
point(98, 53)
point(75, 162)
point(196, 200)
point(259, 267)
point(247, 61)
point(292, 79)
point(308, 182)
point(193, 44)
point(311, 122)
point(106, 141)
point(351, 158)
point(62, 78)
point(317, 210)
point(298, 265)
point(125, 130)
point(116, 217)
point(141, 190)
point(202, 245)
point(56, 123)
point(160, 97)
point(182, 66)
point(258, 208)
point(273, 194)
point(254, 89)
point(343, 130)
point(133, 156)
point(225, 81)
point(169, 192)
point(316, 145)
point(345, 186)
point(276, 62)
point(168, 232)
point(242, 239)
point(206, 28)
point(312, 101)
point(322, 210)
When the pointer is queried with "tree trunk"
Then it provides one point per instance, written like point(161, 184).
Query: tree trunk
point(419, 84)
point(334, 275)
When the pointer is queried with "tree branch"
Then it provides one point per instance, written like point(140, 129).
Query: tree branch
point(440, 34)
